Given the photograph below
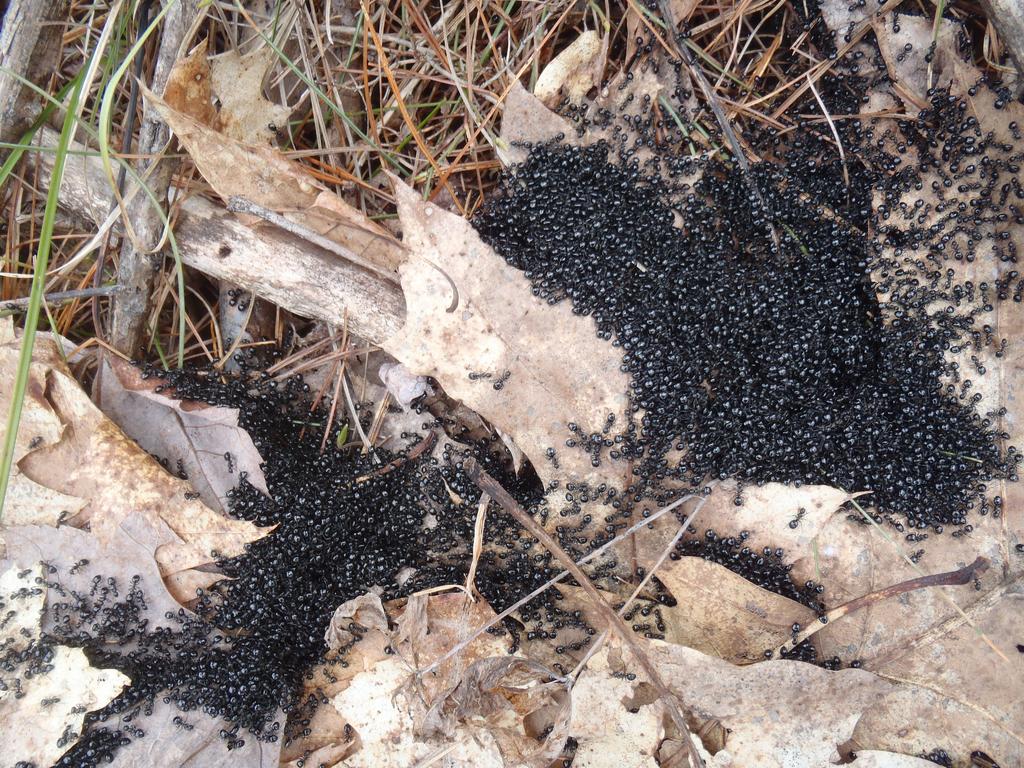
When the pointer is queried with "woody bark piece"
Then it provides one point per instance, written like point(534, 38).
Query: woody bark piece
point(139, 265)
point(271, 263)
point(1008, 18)
point(30, 44)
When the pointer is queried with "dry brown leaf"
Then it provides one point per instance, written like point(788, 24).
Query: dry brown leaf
point(43, 710)
point(245, 114)
point(76, 557)
point(574, 71)
point(777, 713)
point(168, 744)
point(263, 176)
point(519, 703)
point(528, 367)
point(379, 697)
point(27, 502)
point(424, 629)
point(197, 437)
point(609, 733)
point(94, 471)
point(766, 515)
point(382, 716)
point(53, 707)
point(188, 87)
point(722, 614)
point(871, 758)
point(527, 121)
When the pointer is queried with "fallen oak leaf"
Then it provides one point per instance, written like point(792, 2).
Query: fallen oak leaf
point(765, 708)
point(519, 703)
point(609, 733)
point(424, 629)
point(873, 758)
point(28, 502)
point(205, 441)
point(526, 120)
point(381, 715)
point(366, 611)
point(52, 706)
point(528, 367)
point(75, 558)
point(45, 690)
point(245, 114)
point(95, 462)
point(960, 693)
point(719, 612)
point(176, 739)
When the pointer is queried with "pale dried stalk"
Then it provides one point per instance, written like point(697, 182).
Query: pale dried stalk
point(478, 543)
point(491, 486)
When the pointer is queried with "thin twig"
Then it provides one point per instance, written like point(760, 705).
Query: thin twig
point(596, 645)
point(61, 297)
point(423, 445)
point(958, 577)
point(489, 485)
point(478, 543)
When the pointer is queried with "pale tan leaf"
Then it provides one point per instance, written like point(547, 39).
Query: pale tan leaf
point(76, 557)
point(768, 512)
point(39, 711)
point(188, 87)
point(574, 71)
point(95, 462)
point(40, 426)
point(199, 436)
point(609, 734)
point(527, 121)
point(519, 703)
point(29, 503)
point(21, 603)
point(528, 367)
point(53, 707)
point(183, 585)
point(381, 714)
point(720, 613)
point(776, 714)
point(870, 758)
point(168, 743)
point(365, 610)
point(245, 113)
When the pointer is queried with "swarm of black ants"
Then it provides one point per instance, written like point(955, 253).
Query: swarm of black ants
point(769, 338)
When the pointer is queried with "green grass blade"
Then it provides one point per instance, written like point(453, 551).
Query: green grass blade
point(36, 298)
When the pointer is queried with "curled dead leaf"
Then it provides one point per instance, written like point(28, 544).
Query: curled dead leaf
point(204, 441)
